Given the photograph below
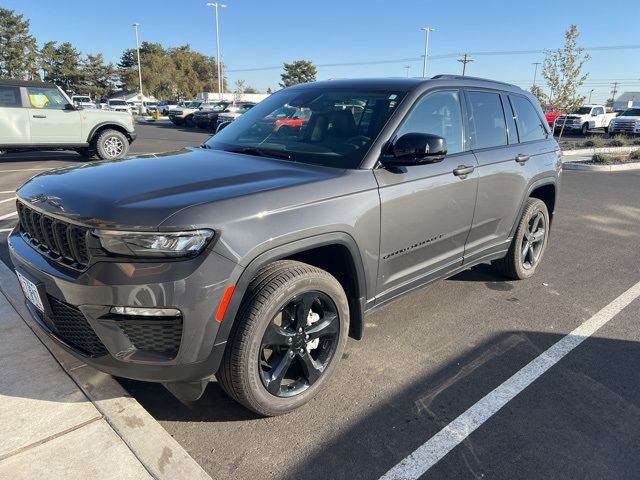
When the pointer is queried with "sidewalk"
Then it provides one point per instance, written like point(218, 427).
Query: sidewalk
point(61, 419)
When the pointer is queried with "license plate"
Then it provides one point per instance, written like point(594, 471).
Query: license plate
point(30, 292)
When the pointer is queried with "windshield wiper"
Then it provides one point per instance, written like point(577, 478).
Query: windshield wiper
point(258, 152)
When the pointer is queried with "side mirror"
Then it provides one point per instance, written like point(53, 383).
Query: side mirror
point(594, 114)
point(70, 106)
point(416, 149)
point(222, 125)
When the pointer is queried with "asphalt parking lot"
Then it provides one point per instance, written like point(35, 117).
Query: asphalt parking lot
point(429, 357)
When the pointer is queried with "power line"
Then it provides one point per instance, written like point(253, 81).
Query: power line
point(439, 57)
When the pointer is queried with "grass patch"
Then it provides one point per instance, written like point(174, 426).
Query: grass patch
point(618, 141)
point(636, 141)
point(635, 155)
point(594, 142)
point(603, 158)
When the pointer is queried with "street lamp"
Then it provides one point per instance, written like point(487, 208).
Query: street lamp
point(590, 92)
point(135, 26)
point(426, 49)
point(535, 72)
point(407, 67)
point(218, 61)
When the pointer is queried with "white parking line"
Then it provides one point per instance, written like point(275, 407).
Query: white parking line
point(8, 200)
point(5, 230)
point(8, 215)
point(8, 191)
point(432, 451)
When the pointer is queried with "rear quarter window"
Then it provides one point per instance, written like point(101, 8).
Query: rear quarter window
point(530, 125)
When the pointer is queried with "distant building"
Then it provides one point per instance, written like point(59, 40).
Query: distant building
point(627, 100)
point(131, 97)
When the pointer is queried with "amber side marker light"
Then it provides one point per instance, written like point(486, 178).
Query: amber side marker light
point(224, 303)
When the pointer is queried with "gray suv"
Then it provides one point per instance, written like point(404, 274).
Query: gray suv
point(253, 258)
point(40, 116)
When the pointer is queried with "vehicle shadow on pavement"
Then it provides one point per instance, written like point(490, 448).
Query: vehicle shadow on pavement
point(213, 406)
point(581, 419)
point(46, 155)
point(485, 273)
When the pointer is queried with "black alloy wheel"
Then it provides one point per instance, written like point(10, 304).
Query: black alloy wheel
point(298, 344)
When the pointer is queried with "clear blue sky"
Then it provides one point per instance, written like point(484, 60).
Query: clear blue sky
point(266, 33)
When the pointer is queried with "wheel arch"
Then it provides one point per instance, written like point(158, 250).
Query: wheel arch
point(335, 252)
point(101, 127)
point(545, 189)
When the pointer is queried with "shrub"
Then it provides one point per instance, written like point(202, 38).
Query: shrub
point(635, 155)
point(595, 142)
point(636, 141)
point(618, 141)
point(603, 158)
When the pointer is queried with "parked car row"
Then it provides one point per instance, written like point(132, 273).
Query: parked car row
point(208, 115)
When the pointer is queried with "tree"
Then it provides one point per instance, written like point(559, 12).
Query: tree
point(300, 71)
point(62, 65)
point(269, 91)
point(98, 77)
point(540, 94)
point(251, 90)
point(562, 69)
point(18, 48)
point(239, 91)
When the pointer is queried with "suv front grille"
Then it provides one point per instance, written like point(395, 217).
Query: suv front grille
point(71, 326)
point(61, 241)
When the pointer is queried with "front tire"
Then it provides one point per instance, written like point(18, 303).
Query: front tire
point(528, 244)
point(585, 129)
point(291, 330)
point(111, 145)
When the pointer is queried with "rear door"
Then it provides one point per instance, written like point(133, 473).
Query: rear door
point(50, 122)
point(508, 158)
point(426, 210)
point(14, 119)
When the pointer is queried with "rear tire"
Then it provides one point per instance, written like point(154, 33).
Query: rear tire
point(273, 311)
point(111, 145)
point(188, 122)
point(529, 243)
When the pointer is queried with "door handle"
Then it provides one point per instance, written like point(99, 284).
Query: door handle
point(463, 170)
point(39, 116)
point(522, 158)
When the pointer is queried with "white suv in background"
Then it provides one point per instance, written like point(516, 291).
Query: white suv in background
point(118, 105)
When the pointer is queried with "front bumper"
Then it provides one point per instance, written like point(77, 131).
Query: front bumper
point(132, 136)
point(193, 286)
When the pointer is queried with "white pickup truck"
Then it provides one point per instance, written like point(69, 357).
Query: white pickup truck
point(584, 119)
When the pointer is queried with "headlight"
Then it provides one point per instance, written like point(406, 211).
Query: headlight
point(150, 244)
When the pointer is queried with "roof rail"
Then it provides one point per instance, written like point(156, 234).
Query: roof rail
point(465, 77)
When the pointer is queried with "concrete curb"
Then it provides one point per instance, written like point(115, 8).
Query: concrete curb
point(160, 454)
point(600, 168)
point(591, 151)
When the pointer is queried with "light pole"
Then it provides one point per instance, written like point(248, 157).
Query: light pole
point(218, 60)
point(535, 72)
point(407, 68)
point(590, 92)
point(135, 27)
point(426, 49)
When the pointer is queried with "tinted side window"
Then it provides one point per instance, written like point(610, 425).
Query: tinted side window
point(530, 126)
point(439, 114)
point(49, 98)
point(10, 97)
point(599, 111)
point(488, 119)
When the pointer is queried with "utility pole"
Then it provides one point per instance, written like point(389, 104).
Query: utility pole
point(407, 67)
point(135, 26)
point(613, 93)
point(426, 49)
point(535, 72)
point(464, 60)
point(218, 60)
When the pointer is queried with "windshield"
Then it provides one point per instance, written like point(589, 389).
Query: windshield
point(340, 126)
point(194, 104)
point(583, 111)
point(632, 112)
point(117, 102)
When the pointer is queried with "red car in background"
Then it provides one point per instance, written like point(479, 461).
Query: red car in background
point(550, 114)
point(291, 119)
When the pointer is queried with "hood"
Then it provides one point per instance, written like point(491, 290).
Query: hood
point(142, 192)
point(100, 114)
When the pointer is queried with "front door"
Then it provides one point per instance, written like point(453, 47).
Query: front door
point(426, 210)
point(50, 122)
